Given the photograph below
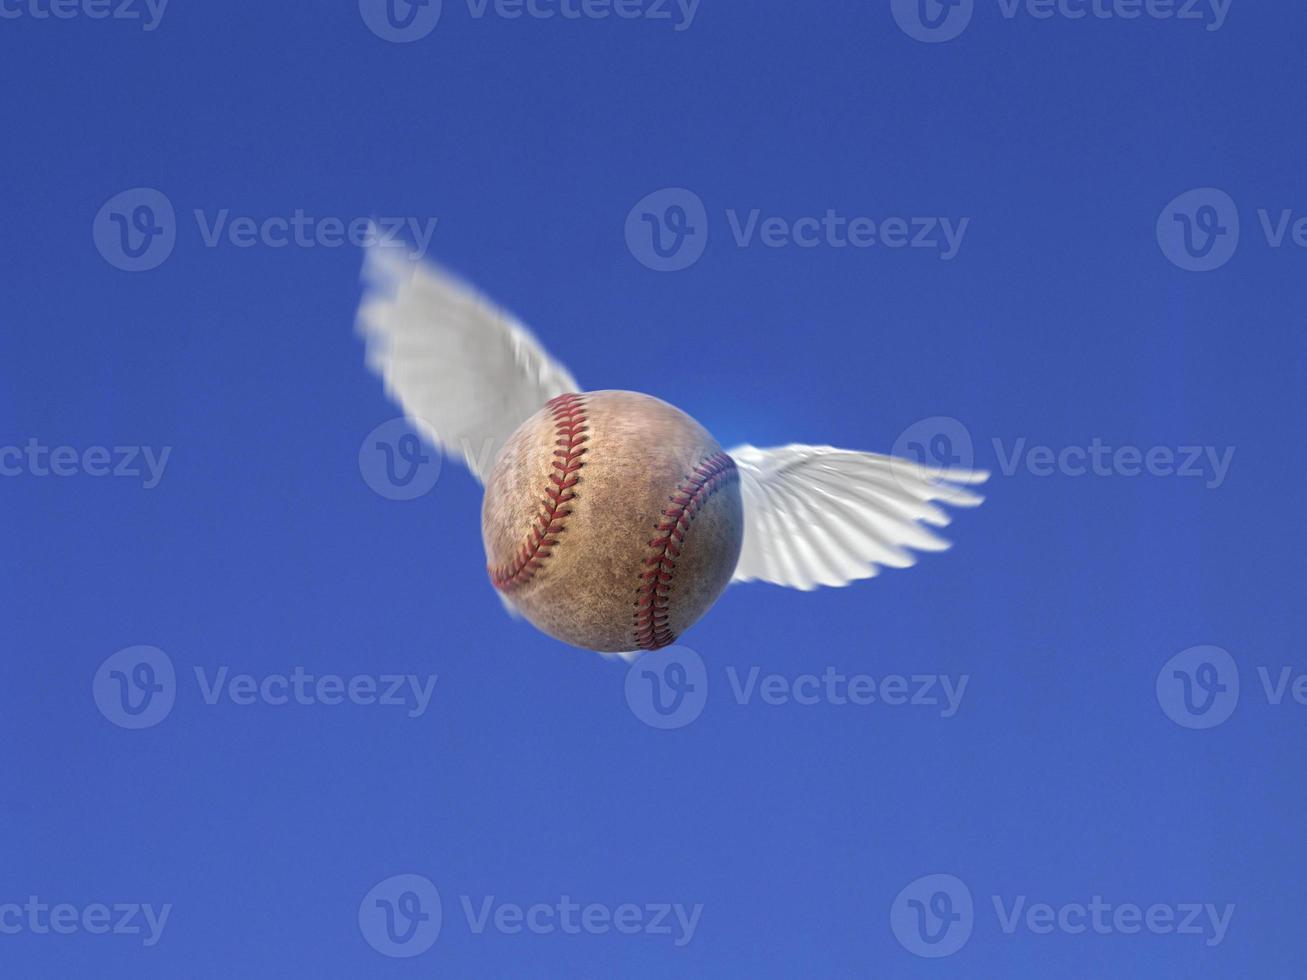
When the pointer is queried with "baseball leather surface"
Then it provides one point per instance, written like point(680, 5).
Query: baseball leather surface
point(612, 520)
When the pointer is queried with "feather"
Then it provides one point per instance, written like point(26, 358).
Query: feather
point(816, 515)
point(466, 373)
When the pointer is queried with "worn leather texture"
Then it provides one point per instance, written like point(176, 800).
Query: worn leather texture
point(612, 521)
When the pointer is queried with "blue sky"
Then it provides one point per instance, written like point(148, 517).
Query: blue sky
point(1103, 306)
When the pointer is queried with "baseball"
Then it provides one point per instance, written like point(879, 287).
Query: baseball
point(612, 520)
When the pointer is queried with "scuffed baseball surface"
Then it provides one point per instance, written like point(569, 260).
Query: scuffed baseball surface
point(612, 520)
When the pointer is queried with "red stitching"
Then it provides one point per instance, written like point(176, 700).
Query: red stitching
point(570, 428)
point(652, 596)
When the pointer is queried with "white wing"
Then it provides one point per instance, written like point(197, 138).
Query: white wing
point(466, 373)
point(815, 515)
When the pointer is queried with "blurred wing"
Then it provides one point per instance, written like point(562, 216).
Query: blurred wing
point(465, 373)
point(815, 515)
